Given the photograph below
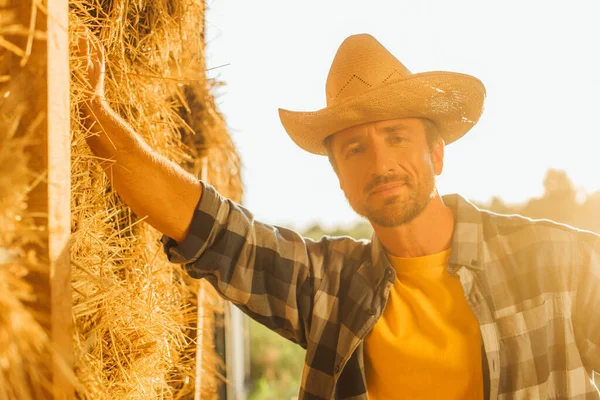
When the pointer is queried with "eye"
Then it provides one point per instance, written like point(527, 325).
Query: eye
point(354, 150)
point(396, 139)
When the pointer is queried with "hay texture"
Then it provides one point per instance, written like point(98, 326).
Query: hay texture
point(136, 314)
point(25, 349)
point(24, 343)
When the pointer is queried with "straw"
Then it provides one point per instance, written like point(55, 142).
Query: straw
point(25, 350)
point(135, 314)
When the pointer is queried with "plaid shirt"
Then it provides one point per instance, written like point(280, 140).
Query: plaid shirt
point(534, 287)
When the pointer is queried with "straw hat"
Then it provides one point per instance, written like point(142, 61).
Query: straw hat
point(366, 83)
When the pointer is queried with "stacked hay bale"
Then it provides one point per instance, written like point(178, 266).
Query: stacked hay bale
point(26, 346)
point(135, 314)
point(24, 343)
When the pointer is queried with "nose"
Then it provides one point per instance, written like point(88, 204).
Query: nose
point(382, 161)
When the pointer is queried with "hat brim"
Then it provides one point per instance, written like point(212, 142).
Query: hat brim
point(453, 101)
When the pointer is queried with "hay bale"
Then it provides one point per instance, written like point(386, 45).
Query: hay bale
point(24, 342)
point(135, 314)
point(25, 347)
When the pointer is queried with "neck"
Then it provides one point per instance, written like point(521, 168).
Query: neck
point(428, 233)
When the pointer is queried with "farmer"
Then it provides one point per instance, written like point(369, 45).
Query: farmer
point(445, 302)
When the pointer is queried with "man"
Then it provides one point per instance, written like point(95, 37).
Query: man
point(447, 301)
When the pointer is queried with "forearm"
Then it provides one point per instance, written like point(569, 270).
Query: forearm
point(153, 186)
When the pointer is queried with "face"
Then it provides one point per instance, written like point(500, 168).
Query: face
point(387, 170)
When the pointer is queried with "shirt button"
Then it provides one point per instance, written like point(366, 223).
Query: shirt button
point(372, 311)
point(337, 369)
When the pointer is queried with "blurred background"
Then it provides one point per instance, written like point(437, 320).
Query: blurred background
point(534, 151)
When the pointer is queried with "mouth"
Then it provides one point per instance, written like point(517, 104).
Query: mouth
point(387, 188)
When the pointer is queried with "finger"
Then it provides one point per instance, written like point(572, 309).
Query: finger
point(96, 48)
point(83, 44)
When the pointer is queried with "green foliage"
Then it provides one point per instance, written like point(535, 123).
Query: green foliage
point(276, 365)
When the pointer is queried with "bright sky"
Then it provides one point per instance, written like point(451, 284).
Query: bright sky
point(539, 60)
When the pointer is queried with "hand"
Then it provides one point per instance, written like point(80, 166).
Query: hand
point(93, 71)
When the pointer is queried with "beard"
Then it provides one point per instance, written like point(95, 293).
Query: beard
point(397, 209)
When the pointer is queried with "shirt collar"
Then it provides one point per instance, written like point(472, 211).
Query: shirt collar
point(467, 238)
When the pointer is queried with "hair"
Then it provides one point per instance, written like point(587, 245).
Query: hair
point(431, 131)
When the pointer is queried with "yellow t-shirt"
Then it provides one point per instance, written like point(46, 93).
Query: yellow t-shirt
point(427, 343)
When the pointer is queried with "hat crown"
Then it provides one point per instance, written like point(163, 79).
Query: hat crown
point(361, 63)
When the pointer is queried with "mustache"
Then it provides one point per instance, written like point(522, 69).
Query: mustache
point(384, 179)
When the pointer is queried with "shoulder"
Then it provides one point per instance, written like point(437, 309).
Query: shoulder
point(514, 225)
point(545, 241)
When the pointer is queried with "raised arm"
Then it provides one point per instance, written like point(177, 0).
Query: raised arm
point(272, 274)
point(145, 180)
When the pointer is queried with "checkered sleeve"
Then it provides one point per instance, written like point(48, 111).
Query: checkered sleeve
point(270, 273)
point(586, 315)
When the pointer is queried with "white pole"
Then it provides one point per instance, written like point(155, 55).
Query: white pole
point(200, 306)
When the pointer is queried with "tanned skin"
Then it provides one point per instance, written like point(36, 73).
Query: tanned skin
point(153, 186)
point(387, 171)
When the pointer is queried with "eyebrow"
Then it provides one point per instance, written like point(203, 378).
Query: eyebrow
point(394, 128)
point(386, 129)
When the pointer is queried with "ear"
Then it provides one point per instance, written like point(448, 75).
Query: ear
point(437, 156)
